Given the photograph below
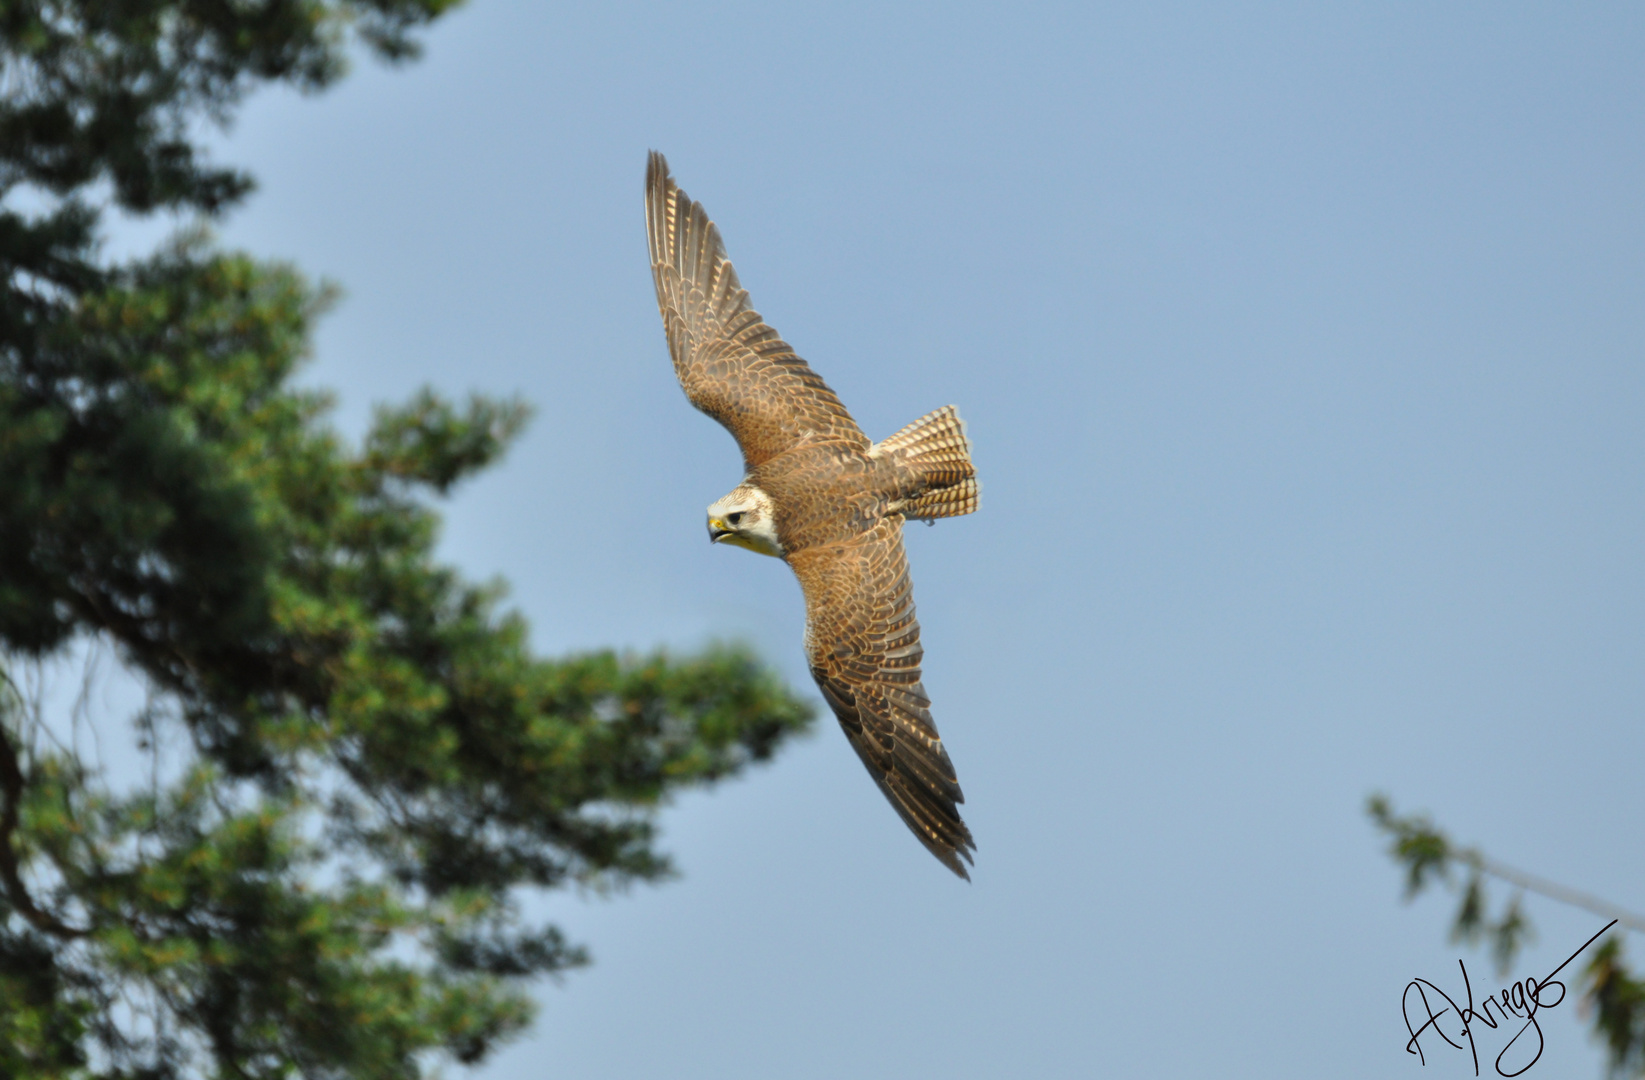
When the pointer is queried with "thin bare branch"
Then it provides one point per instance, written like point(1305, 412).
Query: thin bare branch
point(1553, 890)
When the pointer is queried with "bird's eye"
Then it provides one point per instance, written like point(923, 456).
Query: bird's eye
point(734, 519)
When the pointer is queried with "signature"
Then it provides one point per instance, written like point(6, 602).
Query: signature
point(1520, 1000)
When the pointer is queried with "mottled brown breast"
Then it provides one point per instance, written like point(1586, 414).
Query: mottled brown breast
point(825, 492)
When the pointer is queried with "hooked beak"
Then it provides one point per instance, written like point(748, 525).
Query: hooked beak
point(717, 530)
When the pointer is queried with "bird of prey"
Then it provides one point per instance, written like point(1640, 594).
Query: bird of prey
point(821, 497)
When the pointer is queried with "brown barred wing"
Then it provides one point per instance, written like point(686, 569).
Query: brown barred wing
point(732, 365)
point(863, 643)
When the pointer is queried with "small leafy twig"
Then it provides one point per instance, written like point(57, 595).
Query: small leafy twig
point(1615, 996)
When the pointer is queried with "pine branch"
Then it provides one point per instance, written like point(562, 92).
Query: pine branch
point(12, 783)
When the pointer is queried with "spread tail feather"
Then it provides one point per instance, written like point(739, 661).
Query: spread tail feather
point(951, 501)
point(935, 450)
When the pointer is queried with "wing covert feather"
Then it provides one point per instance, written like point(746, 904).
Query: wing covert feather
point(863, 644)
point(731, 365)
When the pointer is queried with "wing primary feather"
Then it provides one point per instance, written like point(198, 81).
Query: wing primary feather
point(731, 364)
point(863, 644)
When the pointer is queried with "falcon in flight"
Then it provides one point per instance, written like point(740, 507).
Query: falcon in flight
point(821, 497)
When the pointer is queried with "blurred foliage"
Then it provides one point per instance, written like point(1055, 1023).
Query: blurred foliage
point(356, 763)
point(1613, 996)
point(113, 90)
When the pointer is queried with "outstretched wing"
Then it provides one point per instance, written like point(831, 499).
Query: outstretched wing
point(864, 647)
point(732, 365)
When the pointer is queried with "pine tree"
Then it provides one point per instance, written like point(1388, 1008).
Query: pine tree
point(366, 763)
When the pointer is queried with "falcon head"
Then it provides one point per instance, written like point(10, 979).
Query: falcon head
point(748, 518)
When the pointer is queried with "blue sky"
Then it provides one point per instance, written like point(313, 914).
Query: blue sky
point(1301, 350)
